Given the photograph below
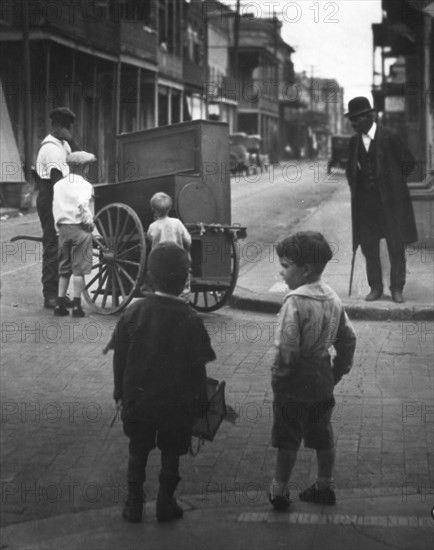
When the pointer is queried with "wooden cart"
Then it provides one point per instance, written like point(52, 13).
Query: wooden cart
point(190, 162)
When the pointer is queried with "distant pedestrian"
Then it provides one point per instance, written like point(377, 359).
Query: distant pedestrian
point(73, 218)
point(311, 320)
point(161, 348)
point(51, 166)
point(377, 169)
point(168, 229)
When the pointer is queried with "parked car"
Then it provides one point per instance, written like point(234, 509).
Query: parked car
point(254, 149)
point(339, 155)
point(239, 158)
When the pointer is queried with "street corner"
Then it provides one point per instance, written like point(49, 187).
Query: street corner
point(359, 516)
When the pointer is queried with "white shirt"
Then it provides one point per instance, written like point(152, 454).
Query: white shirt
point(73, 201)
point(367, 138)
point(52, 154)
point(169, 229)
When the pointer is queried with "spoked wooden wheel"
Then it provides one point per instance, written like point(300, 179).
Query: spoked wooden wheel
point(119, 259)
point(212, 295)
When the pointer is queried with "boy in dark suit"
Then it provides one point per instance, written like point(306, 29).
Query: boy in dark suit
point(160, 350)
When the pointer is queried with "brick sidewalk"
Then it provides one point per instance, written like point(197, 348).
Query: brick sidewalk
point(60, 456)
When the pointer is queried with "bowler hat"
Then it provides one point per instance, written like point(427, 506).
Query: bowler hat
point(358, 106)
point(62, 113)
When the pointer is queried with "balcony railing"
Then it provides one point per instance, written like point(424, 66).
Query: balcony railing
point(192, 72)
point(255, 94)
point(68, 19)
point(137, 41)
point(170, 65)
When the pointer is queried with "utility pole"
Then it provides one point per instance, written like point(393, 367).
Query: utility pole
point(206, 69)
point(27, 95)
point(315, 89)
point(236, 39)
point(235, 60)
point(311, 88)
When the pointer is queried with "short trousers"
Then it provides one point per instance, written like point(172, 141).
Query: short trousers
point(173, 438)
point(295, 421)
point(75, 250)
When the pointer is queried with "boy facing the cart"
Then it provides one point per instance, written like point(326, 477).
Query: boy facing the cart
point(161, 348)
point(73, 219)
point(168, 229)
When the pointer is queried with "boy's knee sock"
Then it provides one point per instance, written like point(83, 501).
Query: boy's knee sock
point(285, 462)
point(169, 464)
point(135, 492)
point(326, 460)
point(278, 488)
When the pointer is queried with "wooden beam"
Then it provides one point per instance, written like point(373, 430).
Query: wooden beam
point(138, 100)
point(28, 146)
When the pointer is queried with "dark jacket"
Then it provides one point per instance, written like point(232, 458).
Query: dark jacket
point(393, 162)
point(160, 350)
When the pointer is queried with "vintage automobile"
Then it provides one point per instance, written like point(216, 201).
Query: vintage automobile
point(239, 157)
point(254, 149)
point(339, 156)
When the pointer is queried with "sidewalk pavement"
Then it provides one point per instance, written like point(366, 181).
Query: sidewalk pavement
point(260, 288)
point(64, 469)
point(6, 213)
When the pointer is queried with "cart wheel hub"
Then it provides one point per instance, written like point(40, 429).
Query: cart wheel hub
point(109, 257)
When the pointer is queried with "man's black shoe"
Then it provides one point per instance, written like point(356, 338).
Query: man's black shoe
point(374, 295)
point(397, 296)
point(50, 303)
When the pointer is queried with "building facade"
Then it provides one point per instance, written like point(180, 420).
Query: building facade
point(264, 67)
point(128, 65)
point(312, 112)
point(403, 76)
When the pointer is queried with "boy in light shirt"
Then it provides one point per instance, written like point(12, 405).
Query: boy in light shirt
point(312, 319)
point(168, 229)
point(73, 219)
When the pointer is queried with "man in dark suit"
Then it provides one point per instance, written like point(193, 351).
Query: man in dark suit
point(377, 169)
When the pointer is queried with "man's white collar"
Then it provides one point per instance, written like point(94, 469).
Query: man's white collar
point(372, 130)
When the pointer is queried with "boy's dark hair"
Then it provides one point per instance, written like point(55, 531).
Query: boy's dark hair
point(306, 247)
point(168, 266)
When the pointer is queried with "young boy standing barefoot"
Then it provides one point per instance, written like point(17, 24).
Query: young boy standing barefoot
point(311, 320)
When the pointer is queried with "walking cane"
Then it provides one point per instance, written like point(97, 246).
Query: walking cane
point(352, 271)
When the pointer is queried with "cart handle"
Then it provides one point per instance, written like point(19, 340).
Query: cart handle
point(236, 231)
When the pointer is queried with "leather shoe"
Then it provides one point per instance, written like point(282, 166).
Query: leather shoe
point(397, 296)
point(374, 295)
point(50, 303)
point(77, 311)
point(60, 311)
